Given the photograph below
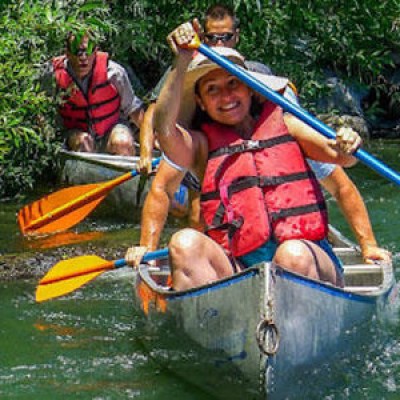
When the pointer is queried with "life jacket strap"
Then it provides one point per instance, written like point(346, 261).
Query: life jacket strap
point(249, 145)
point(246, 182)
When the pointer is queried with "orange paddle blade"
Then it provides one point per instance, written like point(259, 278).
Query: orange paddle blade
point(67, 207)
point(60, 239)
point(39, 217)
point(69, 275)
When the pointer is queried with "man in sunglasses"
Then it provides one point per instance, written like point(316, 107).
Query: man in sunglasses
point(97, 102)
point(221, 28)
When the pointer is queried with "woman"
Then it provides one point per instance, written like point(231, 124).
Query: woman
point(260, 201)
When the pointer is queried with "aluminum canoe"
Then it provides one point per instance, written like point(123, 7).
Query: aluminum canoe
point(265, 328)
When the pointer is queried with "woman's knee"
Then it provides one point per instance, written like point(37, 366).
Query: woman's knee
point(184, 241)
point(294, 255)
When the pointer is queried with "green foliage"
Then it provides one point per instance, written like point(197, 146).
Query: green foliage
point(300, 39)
point(142, 28)
point(35, 32)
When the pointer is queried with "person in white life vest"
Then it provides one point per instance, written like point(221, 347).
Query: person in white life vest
point(260, 200)
point(97, 103)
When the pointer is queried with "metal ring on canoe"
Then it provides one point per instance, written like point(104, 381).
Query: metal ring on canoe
point(267, 329)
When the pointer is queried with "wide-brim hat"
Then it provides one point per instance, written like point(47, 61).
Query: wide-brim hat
point(201, 66)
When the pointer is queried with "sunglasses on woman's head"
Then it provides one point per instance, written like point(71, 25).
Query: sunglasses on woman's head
point(216, 37)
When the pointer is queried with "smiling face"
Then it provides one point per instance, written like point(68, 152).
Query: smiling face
point(81, 55)
point(224, 97)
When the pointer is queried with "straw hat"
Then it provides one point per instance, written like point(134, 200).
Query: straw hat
point(201, 66)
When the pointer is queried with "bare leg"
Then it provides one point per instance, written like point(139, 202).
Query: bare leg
point(298, 257)
point(121, 141)
point(196, 260)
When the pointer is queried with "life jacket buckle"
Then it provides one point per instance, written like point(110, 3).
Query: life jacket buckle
point(251, 144)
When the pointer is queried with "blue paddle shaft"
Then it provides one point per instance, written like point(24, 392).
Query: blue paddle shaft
point(304, 116)
point(151, 255)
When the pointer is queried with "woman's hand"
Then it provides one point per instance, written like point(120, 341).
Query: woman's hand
point(182, 36)
point(347, 141)
point(144, 166)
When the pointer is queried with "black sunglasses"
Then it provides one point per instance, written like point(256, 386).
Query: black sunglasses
point(215, 37)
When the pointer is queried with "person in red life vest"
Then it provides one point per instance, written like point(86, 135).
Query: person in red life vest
point(97, 102)
point(260, 200)
point(222, 28)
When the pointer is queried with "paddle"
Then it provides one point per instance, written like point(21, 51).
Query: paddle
point(69, 275)
point(276, 98)
point(67, 207)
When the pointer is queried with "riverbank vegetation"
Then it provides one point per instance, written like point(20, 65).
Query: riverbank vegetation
point(300, 39)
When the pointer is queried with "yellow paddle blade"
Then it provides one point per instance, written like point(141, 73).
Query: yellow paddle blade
point(61, 288)
point(67, 207)
point(69, 275)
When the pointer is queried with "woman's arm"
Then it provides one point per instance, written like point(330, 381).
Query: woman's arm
point(175, 143)
point(155, 211)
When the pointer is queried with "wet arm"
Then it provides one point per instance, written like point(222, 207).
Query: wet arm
point(195, 219)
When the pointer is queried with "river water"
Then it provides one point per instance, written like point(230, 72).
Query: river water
point(90, 345)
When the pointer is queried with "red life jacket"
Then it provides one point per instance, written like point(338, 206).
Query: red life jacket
point(259, 189)
point(98, 111)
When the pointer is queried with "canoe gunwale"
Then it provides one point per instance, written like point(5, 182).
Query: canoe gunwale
point(145, 272)
point(116, 163)
point(387, 283)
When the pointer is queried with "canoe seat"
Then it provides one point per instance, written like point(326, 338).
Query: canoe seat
point(348, 255)
point(363, 276)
